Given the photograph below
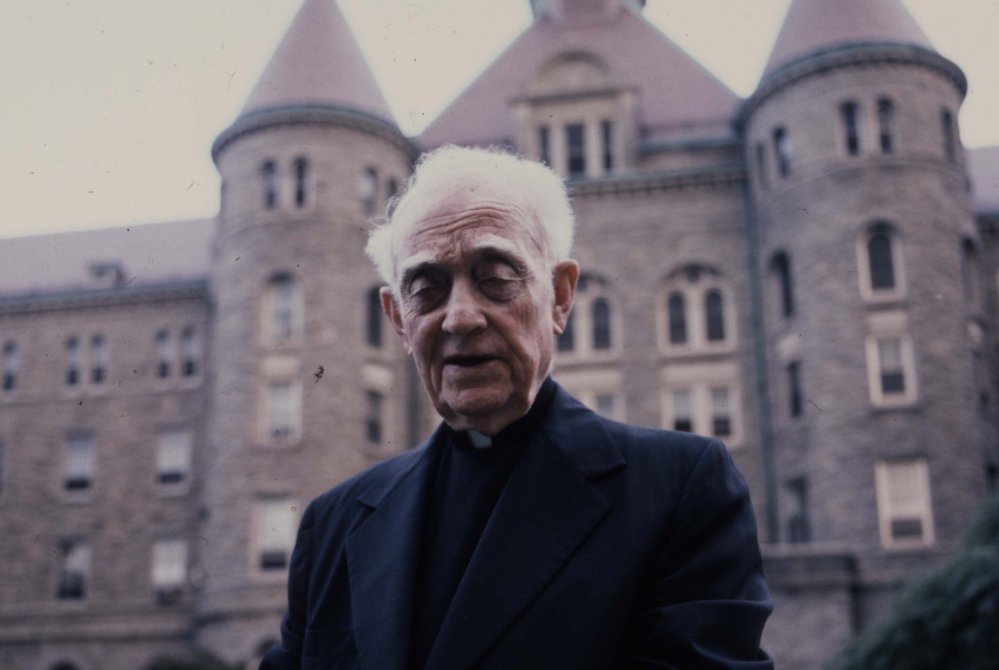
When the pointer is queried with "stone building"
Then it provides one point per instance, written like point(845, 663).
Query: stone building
point(810, 274)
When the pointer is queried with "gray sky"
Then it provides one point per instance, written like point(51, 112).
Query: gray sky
point(112, 105)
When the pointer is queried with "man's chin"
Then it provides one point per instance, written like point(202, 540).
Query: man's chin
point(484, 410)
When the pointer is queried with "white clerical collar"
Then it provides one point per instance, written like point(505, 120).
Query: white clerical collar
point(478, 440)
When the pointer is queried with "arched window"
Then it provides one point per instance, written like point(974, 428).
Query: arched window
point(781, 266)
point(284, 309)
point(373, 317)
point(850, 114)
point(270, 175)
point(886, 123)
point(782, 150)
point(715, 315)
point(677, 310)
point(301, 180)
point(879, 258)
point(600, 315)
point(566, 340)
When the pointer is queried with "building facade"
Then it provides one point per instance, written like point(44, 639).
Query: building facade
point(809, 274)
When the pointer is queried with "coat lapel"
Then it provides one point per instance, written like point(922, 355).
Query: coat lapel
point(383, 559)
point(546, 510)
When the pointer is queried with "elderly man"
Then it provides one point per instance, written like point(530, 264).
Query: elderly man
point(527, 532)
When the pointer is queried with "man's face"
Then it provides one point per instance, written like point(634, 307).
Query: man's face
point(478, 306)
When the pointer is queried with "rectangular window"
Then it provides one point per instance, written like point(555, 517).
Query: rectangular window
point(301, 177)
point(284, 411)
point(98, 359)
point(164, 354)
point(72, 361)
point(782, 150)
point(190, 347)
point(168, 570)
point(886, 123)
point(721, 413)
point(607, 142)
point(904, 509)
point(81, 463)
point(799, 528)
point(373, 421)
point(949, 135)
point(683, 411)
point(794, 388)
point(173, 459)
point(368, 188)
point(849, 112)
point(761, 164)
point(270, 184)
point(575, 142)
point(11, 366)
point(75, 570)
point(892, 371)
point(275, 533)
point(545, 145)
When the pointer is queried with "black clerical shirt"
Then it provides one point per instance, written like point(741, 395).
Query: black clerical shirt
point(467, 483)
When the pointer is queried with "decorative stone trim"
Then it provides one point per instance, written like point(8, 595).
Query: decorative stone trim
point(197, 289)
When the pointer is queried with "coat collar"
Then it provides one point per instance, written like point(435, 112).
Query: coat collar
point(546, 510)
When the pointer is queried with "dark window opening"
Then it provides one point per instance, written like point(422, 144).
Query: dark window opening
point(607, 140)
point(369, 191)
point(575, 140)
point(11, 363)
point(893, 382)
point(906, 529)
point(273, 559)
point(72, 361)
point(270, 184)
point(761, 163)
point(879, 256)
point(544, 145)
point(886, 122)
point(301, 178)
point(566, 339)
point(794, 388)
point(799, 529)
point(949, 138)
point(170, 477)
point(600, 311)
point(677, 313)
point(782, 150)
point(373, 423)
point(714, 312)
point(189, 344)
point(164, 353)
point(98, 354)
point(374, 317)
point(849, 113)
point(782, 268)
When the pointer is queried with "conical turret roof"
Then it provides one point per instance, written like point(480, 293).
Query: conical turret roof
point(318, 62)
point(815, 25)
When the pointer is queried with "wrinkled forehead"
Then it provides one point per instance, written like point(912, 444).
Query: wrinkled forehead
point(467, 212)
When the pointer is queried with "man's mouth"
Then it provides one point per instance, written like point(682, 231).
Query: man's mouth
point(468, 361)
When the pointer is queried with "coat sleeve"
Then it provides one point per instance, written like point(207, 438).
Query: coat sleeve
point(287, 655)
point(706, 599)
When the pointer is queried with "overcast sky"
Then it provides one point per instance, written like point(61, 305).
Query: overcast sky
point(112, 105)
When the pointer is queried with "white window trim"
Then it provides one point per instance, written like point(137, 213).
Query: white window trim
point(258, 533)
point(886, 513)
point(381, 379)
point(168, 565)
point(295, 429)
point(868, 293)
point(186, 437)
point(877, 396)
point(699, 379)
point(268, 332)
point(82, 495)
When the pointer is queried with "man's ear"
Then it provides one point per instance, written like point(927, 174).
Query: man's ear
point(391, 309)
point(564, 279)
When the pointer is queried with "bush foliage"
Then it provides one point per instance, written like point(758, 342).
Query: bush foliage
point(948, 620)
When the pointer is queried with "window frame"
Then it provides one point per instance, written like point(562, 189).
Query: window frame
point(694, 283)
point(887, 510)
point(864, 268)
point(263, 541)
point(875, 370)
point(183, 456)
point(701, 382)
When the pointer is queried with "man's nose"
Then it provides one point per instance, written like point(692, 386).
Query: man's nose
point(464, 313)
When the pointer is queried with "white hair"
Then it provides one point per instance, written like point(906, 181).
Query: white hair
point(527, 184)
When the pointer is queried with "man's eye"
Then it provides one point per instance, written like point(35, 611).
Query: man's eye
point(499, 287)
point(426, 293)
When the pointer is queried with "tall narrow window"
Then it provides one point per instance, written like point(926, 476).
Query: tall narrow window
point(3, 462)
point(270, 174)
point(715, 315)
point(164, 353)
point(168, 570)
point(677, 315)
point(75, 570)
point(880, 261)
point(81, 463)
point(600, 314)
point(575, 142)
point(391, 188)
point(284, 411)
point(566, 339)
point(373, 318)
point(886, 125)
point(373, 419)
point(190, 350)
point(683, 411)
point(891, 367)
point(969, 273)
point(301, 180)
point(607, 142)
point(284, 317)
point(72, 361)
point(782, 150)
point(98, 359)
point(904, 510)
point(545, 145)
point(721, 412)
point(368, 190)
point(761, 164)
point(173, 459)
point(799, 530)
point(794, 388)
point(949, 135)
point(785, 285)
point(274, 533)
point(11, 366)
point(849, 112)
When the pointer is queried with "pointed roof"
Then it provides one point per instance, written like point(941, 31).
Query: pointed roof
point(815, 25)
point(678, 97)
point(318, 62)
